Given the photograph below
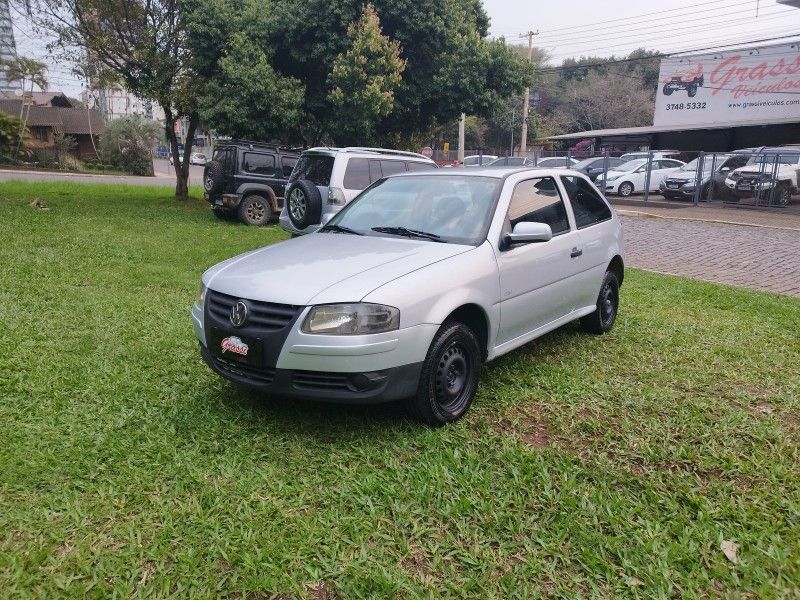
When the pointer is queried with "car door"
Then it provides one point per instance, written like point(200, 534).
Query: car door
point(537, 280)
point(594, 223)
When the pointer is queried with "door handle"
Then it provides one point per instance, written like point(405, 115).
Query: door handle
point(576, 252)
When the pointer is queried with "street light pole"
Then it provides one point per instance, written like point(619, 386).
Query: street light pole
point(523, 142)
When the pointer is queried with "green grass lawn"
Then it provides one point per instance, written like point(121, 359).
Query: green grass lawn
point(604, 466)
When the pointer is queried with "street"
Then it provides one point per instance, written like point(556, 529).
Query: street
point(164, 175)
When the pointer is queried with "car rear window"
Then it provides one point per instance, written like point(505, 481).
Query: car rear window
point(315, 168)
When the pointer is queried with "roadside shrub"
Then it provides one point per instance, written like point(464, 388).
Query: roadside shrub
point(44, 158)
point(126, 144)
point(10, 128)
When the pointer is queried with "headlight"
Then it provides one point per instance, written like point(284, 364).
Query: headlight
point(610, 179)
point(201, 295)
point(351, 319)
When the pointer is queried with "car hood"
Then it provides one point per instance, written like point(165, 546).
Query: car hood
point(758, 170)
point(324, 267)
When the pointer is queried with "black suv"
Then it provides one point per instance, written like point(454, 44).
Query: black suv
point(247, 180)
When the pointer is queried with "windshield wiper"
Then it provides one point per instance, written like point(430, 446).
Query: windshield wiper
point(340, 229)
point(410, 233)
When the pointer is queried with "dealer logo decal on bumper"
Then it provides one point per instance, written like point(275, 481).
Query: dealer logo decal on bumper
point(235, 345)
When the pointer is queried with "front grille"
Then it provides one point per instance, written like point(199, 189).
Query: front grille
point(265, 316)
point(317, 380)
point(256, 375)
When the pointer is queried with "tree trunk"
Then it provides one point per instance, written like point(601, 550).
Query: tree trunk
point(181, 177)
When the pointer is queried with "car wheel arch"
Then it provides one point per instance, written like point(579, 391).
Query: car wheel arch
point(259, 190)
point(473, 316)
point(617, 265)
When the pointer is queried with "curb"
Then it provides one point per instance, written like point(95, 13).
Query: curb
point(87, 175)
point(639, 213)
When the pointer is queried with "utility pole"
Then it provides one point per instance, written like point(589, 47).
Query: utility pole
point(523, 142)
point(461, 138)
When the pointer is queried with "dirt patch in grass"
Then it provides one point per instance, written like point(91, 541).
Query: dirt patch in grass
point(529, 425)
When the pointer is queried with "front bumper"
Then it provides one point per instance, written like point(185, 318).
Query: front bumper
point(371, 387)
point(756, 187)
point(612, 186)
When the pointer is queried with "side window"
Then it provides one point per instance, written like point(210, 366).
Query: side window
point(419, 166)
point(287, 164)
point(390, 167)
point(374, 171)
point(538, 201)
point(356, 176)
point(263, 164)
point(588, 206)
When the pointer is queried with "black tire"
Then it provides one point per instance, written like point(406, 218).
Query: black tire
point(625, 189)
point(212, 177)
point(223, 214)
point(702, 81)
point(605, 313)
point(303, 203)
point(449, 376)
point(667, 90)
point(782, 195)
point(692, 90)
point(255, 210)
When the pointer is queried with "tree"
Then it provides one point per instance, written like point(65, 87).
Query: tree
point(144, 43)
point(10, 136)
point(127, 143)
point(450, 66)
point(30, 71)
point(364, 78)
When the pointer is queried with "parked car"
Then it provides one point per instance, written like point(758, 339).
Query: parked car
point(555, 162)
point(594, 167)
point(777, 168)
point(478, 160)
point(511, 161)
point(247, 180)
point(325, 180)
point(681, 184)
point(688, 77)
point(197, 158)
point(628, 156)
point(409, 289)
point(630, 177)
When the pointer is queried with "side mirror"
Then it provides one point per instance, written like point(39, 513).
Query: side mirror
point(527, 233)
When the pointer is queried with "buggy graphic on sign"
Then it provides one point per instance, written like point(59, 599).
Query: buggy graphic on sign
point(731, 87)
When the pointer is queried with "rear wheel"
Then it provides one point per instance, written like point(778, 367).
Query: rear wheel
point(783, 194)
point(449, 376)
point(667, 90)
point(304, 204)
point(625, 189)
point(254, 210)
point(692, 90)
point(605, 312)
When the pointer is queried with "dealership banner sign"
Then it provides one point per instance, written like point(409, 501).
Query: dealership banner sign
point(732, 86)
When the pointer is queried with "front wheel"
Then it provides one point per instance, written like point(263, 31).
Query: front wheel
point(625, 189)
point(449, 376)
point(783, 194)
point(667, 90)
point(605, 312)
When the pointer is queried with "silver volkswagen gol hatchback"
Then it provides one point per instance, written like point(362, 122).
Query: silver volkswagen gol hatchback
point(406, 292)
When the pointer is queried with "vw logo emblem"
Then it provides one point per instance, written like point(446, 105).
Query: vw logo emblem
point(238, 314)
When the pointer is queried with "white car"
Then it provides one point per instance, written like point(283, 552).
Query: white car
point(407, 291)
point(769, 168)
point(478, 160)
point(325, 180)
point(631, 176)
point(556, 162)
point(197, 158)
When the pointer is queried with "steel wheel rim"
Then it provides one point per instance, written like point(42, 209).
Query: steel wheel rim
point(255, 211)
point(297, 205)
point(608, 303)
point(452, 378)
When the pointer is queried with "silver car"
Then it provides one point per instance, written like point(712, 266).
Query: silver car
point(407, 291)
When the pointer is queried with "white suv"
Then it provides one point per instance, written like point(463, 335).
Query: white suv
point(407, 291)
point(324, 180)
point(771, 173)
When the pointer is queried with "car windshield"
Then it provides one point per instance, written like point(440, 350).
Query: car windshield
point(692, 165)
point(315, 168)
point(789, 158)
point(451, 208)
point(589, 162)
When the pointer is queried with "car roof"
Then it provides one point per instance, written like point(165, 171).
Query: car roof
point(359, 151)
point(492, 172)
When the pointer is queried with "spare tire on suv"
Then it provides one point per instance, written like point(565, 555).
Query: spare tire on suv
point(303, 203)
point(212, 177)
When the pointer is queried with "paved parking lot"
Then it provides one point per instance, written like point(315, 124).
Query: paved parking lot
point(756, 257)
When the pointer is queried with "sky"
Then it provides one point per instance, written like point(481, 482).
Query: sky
point(572, 28)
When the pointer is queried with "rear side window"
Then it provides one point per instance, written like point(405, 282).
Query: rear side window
point(263, 164)
point(538, 201)
point(419, 166)
point(315, 168)
point(390, 167)
point(356, 176)
point(588, 206)
point(287, 164)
